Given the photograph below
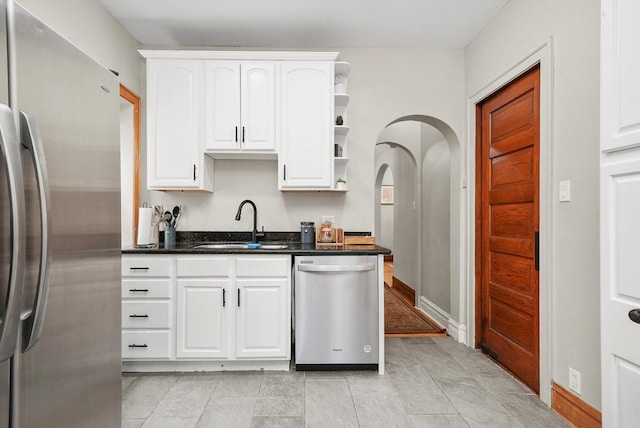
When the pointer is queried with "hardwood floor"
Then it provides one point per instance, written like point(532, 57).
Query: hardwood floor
point(397, 287)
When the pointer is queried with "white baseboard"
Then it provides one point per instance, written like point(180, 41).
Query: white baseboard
point(457, 331)
point(454, 329)
point(434, 312)
point(204, 366)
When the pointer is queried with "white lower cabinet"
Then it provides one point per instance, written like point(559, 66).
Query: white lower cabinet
point(262, 318)
point(234, 307)
point(198, 309)
point(147, 307)
point(202, 319)
point(204, 284)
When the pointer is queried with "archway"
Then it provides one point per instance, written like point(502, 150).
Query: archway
point(433, 217)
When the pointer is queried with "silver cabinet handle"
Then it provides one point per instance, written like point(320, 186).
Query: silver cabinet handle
point(336, 268)
point(11, 293)
point(32, 141)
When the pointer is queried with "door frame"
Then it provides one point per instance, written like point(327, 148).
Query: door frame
point(542, 54)
point(134, 99)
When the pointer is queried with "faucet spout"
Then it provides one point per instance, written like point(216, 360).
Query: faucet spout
point(254, 233)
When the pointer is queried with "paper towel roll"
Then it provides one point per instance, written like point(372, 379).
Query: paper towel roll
point(144, 226)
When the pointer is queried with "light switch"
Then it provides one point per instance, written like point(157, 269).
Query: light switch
point(565, 191)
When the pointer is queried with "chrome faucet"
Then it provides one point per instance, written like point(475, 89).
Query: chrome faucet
point(254, 233)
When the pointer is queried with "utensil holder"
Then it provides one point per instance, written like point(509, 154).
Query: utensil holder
point(170, 237)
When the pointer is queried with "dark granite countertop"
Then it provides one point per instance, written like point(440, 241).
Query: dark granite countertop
point(186, 241)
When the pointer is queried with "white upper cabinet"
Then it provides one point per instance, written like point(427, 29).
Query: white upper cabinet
point(306, 122)
point(240, 107)
point(238, 104)
point(175, 159)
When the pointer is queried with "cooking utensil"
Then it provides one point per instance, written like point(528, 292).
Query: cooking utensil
point(166, 218)
point(176, 214)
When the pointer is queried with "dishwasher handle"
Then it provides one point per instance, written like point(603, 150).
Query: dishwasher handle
point(337, 268)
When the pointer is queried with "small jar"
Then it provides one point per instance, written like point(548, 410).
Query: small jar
point(326, 233)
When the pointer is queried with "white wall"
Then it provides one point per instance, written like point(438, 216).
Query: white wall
point(405, 220)
point(384, 84)
point(385, 237)
point(513, 34)
point(88, 25)
point(436, 286)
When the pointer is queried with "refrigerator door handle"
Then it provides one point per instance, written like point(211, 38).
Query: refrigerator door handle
point(31, 140)
point(336, 268)
point(12, 296)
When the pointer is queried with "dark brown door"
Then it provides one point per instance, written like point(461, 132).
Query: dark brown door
point(507, 166)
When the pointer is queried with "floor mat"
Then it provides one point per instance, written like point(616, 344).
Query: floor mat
point(402, 320)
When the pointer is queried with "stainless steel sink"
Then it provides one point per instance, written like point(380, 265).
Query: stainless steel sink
point(240, 246)
point(222, 246)
point(273, 246)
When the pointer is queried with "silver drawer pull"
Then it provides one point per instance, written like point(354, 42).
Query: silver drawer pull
point(138, 290)
point(138, 346)
point(138, 316)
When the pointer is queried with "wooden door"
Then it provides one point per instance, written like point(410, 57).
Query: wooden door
point(507, 221)
point(619, 213)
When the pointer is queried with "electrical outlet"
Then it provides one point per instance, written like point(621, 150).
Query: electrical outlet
point(328, 219)
point(574, 380)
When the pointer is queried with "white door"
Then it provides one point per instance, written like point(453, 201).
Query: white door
point(306, 123)
point(222, 105)
point(620, 213)
point(262, 320)
point(174, 124)
point(203, 308)
point(258, 106)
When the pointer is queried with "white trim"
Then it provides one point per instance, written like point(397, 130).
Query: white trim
point(434, 312)
point(240, 55)
point(543, 55)
point(381, 314)
point(457, 331)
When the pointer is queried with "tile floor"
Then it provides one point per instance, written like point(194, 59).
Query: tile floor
point(430, 382)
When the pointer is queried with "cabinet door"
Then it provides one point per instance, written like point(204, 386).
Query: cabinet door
point(222, 105)
point(258, 107)
point(263, 319)
point(306, 158)
point(203, 318)
point(175, 156)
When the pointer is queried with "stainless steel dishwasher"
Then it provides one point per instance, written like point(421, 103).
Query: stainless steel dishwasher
point(336, 312)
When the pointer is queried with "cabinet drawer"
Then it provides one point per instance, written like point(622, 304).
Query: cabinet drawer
point(203, 266)
point(146, 345)
point(264, 266)
point(145, 314)
point(146, 288)
point(139, 266)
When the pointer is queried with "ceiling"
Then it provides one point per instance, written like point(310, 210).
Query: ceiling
point(305, 23)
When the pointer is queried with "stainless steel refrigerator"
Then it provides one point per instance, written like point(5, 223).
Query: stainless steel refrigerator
point(59, 231)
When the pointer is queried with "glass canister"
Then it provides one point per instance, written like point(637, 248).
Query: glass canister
point(307, 232)
point(326, 233)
